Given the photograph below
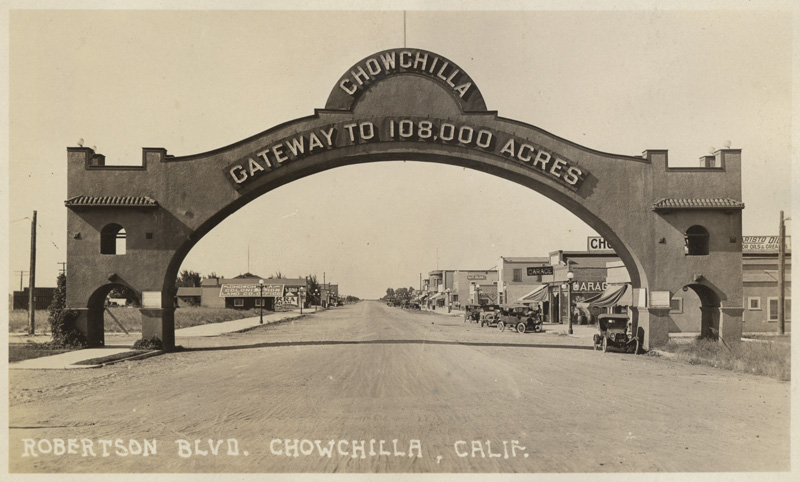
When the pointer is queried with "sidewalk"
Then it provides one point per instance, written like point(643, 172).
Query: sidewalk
point(68, 360)
point(216, 329)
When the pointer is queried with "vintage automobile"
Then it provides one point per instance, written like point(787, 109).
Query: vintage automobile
point(488, 315)
point(615, 331)
point(519, 317)
point(472, 313)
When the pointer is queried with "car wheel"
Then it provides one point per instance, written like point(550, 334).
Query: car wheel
point(605, 344)
point(521, 327)
point(501, 326)
point(537, 327)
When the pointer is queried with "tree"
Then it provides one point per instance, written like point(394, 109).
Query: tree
point(213, 274)
point(313, 289)
point(124, 292)
point(389, 293)
point(188, 279)
point(62, 321)
point(59, 302)
point(277, 275)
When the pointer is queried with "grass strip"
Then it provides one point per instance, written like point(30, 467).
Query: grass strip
point(767, 359)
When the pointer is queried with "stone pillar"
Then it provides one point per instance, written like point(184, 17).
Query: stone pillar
point(655, 323)
point(730, 323)
point(709, 322)
point(90, 325)
point(159, 323)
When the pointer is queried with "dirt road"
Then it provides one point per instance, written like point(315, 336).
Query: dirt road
point(368, 388)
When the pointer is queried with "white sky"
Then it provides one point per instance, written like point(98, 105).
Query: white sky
point(192, 81)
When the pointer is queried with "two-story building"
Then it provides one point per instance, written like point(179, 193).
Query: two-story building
point(518, 276)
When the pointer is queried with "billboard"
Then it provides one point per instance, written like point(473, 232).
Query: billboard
point(249, 291)
point(763, 244)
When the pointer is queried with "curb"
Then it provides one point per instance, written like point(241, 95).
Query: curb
point(276, 322)
point(140, 356)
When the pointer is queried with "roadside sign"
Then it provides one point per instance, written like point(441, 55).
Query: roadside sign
point(539, 270)
point(759, 244)
point(597, 243)
point(249, 291)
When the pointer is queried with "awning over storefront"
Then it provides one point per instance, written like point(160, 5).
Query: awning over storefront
point(422, 296)
point(537, 295)
point(437, 296)
point(614, 295)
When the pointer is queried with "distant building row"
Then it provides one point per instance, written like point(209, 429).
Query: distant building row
point(249, 291)
point(600, 283)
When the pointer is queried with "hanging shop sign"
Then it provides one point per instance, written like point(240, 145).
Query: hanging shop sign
point(589, 286)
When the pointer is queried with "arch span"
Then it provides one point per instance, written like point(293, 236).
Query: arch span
point(406, 109)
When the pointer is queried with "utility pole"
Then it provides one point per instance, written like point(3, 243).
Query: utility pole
point(63, 267)
point(781, 276)
point(32, 279)
point(21, 274)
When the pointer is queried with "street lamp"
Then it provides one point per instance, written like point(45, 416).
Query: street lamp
point(261, 301)
point(301, 291)
point(449, 303)
point(570, 275)
point(316, 295)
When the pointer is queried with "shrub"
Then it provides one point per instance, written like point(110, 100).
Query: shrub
point(152, 343)
point(59, 302)
point(62, 321)
point(65, 333)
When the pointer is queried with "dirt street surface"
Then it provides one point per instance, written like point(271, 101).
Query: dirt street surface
point(368, 388)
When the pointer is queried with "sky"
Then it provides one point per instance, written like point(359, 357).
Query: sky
point(192, 81)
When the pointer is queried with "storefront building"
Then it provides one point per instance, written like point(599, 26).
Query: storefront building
point(589, 274)
point(469, 283)
point(518, 276)
point(760, 276)
point(245, 292)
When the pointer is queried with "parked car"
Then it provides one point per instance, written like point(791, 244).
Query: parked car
point(488, 315)
point(519, 317)
point(472, 313)
point(615, 331)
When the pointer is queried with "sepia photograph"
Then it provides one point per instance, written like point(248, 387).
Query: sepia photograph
point(266, 241)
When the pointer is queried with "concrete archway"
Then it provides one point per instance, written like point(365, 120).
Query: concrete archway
point(94, 325)
point(710, 314)
point(407, 104)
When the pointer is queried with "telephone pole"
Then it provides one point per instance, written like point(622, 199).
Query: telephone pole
point(63, 267)
point(21, 274)
point(32, 279)
point(781, 277)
